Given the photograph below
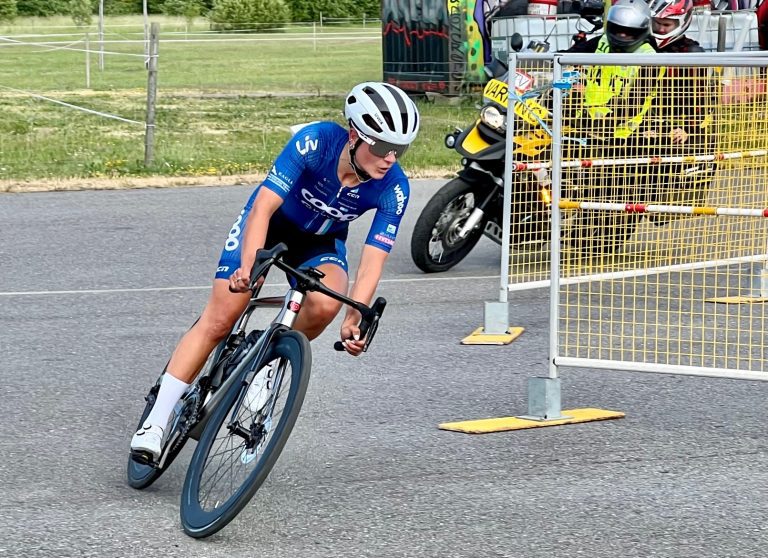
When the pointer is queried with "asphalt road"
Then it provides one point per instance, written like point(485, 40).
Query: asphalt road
point(96, 287)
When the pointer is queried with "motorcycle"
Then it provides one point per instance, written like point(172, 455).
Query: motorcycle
point(471, 205)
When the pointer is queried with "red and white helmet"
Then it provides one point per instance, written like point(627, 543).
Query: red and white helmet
point(678, 10)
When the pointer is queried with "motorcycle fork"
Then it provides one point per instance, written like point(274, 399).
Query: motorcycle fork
point(477, 214)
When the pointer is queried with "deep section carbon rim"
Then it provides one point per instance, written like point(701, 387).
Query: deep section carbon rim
point(244, 437)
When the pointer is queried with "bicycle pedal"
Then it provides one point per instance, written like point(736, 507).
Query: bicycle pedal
point(144, 458)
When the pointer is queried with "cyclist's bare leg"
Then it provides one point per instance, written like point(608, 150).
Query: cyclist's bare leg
point(218, 317)
point(319, 310)
point(220, 313)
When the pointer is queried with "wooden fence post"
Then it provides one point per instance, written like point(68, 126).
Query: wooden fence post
point(149, 135)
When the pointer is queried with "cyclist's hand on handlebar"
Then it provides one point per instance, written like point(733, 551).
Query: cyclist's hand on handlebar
point(239, 281)
point(350, 338)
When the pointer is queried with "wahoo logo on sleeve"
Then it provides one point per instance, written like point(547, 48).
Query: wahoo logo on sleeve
point(400, 197)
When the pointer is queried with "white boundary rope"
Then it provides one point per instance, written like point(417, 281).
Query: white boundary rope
point(69, 105)
point(48, 46)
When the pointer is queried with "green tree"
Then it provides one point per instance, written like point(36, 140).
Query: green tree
point(371, 9)
point(41, 8)
point(188, 9)
point(310, 10)
point(81, 12)
point(228, 15)
point(123, 7)
point(7, 10)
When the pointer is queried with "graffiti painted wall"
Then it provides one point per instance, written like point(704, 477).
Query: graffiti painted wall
point(436, 45)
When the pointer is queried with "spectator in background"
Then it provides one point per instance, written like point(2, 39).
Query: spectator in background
point(687, 100)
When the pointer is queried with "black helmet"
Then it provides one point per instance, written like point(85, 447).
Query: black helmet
point(628, 25)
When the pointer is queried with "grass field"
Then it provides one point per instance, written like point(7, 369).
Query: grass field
point(225, 102)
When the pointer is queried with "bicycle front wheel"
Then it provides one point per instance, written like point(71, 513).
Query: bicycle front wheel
point(240, 445)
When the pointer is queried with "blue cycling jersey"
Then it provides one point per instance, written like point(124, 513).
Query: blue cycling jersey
point(305, 176)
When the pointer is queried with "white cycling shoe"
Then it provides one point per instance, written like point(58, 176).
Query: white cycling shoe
point(148, 439)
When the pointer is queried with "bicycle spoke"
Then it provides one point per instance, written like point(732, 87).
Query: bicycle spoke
point(228, 465)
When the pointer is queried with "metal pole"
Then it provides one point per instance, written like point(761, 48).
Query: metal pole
point(101, 35)
point(557, 154)
point(149, 137)
point(314, 36)
point(496, 314)
point(87, 61)
point(508, 177)
point(722, 31)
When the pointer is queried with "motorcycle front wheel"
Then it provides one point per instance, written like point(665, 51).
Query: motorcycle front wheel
point(435, 243)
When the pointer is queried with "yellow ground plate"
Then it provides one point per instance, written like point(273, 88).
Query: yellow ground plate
point(477, 337)
point(737, 299)
point(486, 426)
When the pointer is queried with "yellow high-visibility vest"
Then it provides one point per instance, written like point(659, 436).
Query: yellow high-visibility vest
point(603, 83)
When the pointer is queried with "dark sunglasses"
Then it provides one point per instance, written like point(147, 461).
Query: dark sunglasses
point(383, 148)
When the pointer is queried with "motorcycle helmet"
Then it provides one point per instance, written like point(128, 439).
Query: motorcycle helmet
point(384, 117)
point(680, 11)
point(628, 25)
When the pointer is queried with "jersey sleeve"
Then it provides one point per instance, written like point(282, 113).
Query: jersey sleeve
point(389, 212)
point(302, 151)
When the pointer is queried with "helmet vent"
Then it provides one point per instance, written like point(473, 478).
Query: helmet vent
point(381, 104)
point(372, 123)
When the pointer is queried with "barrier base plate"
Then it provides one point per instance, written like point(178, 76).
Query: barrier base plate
point(737, 299)
point(477, 337)
point(503, 424)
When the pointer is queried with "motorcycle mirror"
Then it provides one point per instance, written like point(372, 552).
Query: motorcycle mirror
point(516, 42)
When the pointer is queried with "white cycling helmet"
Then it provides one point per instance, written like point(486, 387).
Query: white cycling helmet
point(383, 116)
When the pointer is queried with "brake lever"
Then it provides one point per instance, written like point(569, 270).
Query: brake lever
point(368, 325)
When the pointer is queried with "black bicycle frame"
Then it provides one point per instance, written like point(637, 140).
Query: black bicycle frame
point(305, 281)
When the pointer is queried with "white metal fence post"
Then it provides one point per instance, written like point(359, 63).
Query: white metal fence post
point(87, 61)
point(101, 35)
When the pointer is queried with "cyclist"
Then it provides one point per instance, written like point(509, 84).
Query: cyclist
point(325, 177)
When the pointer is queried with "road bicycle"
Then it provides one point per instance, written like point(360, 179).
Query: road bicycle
point(244, 403)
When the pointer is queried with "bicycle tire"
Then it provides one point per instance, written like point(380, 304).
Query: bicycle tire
point(141, 475)
point(290, 346)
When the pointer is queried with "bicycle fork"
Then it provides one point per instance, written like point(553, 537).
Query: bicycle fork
point(259, 428)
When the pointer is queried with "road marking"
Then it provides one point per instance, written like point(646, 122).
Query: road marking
point(206, 287)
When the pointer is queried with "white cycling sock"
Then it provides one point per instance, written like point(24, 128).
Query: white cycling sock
point(171, 390)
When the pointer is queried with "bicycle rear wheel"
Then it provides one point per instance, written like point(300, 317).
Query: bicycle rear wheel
point(239, 447)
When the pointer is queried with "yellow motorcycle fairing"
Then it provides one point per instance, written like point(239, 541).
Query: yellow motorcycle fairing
point(473, 142)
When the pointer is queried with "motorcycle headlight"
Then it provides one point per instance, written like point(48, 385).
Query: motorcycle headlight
point(492, 117)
